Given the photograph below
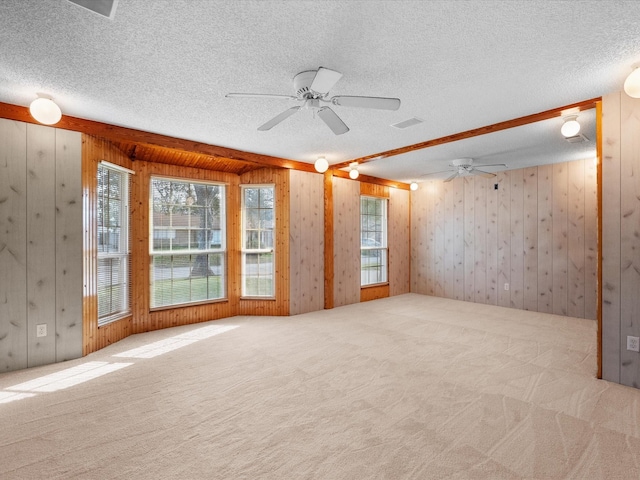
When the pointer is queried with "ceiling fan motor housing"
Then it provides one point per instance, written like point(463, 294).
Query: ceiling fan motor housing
point(302, 83)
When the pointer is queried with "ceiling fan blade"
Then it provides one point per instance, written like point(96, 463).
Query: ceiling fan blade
point(258, 95)
point(451, 177)
point(435, 173)
point(493, 165)
point(482, 173)
point(380, 103)
point(333, 121)
point(324, 80)
point(278, 118)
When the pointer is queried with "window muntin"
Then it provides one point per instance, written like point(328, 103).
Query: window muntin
point(188, 242)
point(113, 244)
point(258, 230)
point(373, 241)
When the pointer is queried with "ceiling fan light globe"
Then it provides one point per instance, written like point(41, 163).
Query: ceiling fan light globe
point(45, 111)
point(570, 127)
point(413, 186)
point(321, 165)
point(354, 173)
point(632, 84)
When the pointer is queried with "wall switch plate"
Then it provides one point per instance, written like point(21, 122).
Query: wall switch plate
point(506, 286)
point(41, 330)
point(633, 343)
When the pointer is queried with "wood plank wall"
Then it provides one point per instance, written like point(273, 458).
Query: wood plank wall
point(620, 252)
point(537, 233)
point(306, 244)
point(346, 241)
point(40, 245)
point(399, 241)
point(93, 151)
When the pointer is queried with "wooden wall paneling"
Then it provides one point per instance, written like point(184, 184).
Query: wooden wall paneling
point(560, 243)
point(469, 240)
point(504, 237)
point(399, 241)
point(41, 241)
point(432, 190)
point(448, 229)
point(306, 248)
point(374, 293)
point(346, 234)
point(328, 239)
point(530, 230)
point(575, 244)
point(480, 239)
point(590, 239)
point(439, 241)
point(374, 190)
point(545, 238)
point(458, 241)
point(68, 253)
point(516, 286)
point(629, 233)
point(492, 243)
point(13, 245)
point(419, 253)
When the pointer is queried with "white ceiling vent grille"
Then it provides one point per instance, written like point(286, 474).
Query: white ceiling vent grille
point(106, 8)
point(577, 138)
point(408, 123)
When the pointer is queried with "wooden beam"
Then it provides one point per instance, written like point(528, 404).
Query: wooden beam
point(375, 180)
point(328, 239)
point(496, 127)
point(599, 227)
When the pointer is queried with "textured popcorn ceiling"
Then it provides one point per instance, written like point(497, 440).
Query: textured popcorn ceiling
point(164, 66)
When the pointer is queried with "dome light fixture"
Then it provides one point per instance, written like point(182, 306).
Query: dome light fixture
point(570, 127)
point(632, 83)
point(353, 172)
point(45, 110)
point(321, 165)
point(413, 187)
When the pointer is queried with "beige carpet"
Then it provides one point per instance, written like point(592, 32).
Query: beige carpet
point(410, 387)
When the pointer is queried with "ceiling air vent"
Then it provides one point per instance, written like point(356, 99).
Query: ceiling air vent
point(106, 8)
point(577, 138)
point(408, 123)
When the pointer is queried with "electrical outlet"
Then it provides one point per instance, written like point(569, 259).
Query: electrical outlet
point(506, 286)
point(41, 330)
point(633, 343)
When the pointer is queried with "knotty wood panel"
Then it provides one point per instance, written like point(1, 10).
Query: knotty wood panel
point(590, 238)
point(13, 245)
point(504, 237)
point(469, 240)
point(93, 338)
point(419, 240)
point(545, 238)
point(480, 240)
point(399, 241)
point(449, 234)
point(530, 231)
point(374, 293)
point(576, 238)
point(560, 243)
point(346, 235)
point(68, 239)
point(41, 241)
point(432, 191)
point(439, 240)
point(629, 237)
point(492, 244)
point(458, 241)
point(306, 246)
point(374, 190)
point(516, 284)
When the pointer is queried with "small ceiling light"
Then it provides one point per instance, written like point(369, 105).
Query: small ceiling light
point(353, 173)
point(321, 165)
point(632, 83)
point(570, 127)
point(45, 110)
point(413, 186)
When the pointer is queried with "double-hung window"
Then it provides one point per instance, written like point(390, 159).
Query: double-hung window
point(187, 242)
point(373, 240)
point(113, 243)
point(258, 230)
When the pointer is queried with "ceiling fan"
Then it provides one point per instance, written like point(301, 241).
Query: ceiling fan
point(311, 88)
point(464, 167)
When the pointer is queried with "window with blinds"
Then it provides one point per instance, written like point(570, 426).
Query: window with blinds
point(113, 244)
point(188, 242)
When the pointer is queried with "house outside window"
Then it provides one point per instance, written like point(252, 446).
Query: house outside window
point(373, 241)
point(113, 243)
point(187, 242)
point(258, 230)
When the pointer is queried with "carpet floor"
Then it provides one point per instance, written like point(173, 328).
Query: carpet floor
point(408, 387)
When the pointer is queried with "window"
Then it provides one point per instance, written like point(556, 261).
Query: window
point(113, 243)
point(188, 242)
point(258, 226)
point(373, 240)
